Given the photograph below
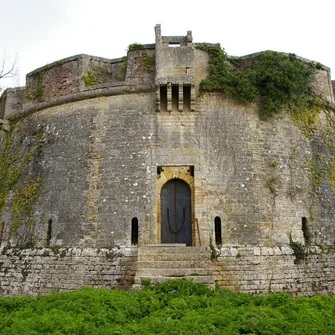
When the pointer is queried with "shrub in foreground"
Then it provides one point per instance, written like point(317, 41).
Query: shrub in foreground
point(174, 307)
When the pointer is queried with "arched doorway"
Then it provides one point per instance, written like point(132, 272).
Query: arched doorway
point(176, 215)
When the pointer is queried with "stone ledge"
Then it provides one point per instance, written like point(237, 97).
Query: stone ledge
point(104, 90)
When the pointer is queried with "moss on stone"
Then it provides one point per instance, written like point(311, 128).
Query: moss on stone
point(306, 118)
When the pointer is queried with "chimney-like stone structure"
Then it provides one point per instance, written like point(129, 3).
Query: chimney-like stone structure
point(175, 72)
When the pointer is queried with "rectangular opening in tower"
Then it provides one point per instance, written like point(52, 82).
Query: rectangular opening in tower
point(187, 97)
point(163, 98)
point(174, 45)
point(175, 97)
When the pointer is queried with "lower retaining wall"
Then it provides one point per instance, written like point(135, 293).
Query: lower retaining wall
point(41, 271)
point(256, 270)
point(260, 270)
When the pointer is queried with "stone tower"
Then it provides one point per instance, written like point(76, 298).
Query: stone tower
point(115, 170)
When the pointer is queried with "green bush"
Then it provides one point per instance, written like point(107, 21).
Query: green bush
point(174, 307)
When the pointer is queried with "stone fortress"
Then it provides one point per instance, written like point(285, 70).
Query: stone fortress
point(116, 171)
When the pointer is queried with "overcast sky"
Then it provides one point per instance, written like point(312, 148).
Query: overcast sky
point(44, 31)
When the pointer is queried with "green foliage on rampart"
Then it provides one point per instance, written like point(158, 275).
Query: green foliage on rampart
point(274, 80)
point(90, 78)
point(175, 307)
point(134, 47)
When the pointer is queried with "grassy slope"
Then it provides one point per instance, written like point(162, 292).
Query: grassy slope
point(176, 307)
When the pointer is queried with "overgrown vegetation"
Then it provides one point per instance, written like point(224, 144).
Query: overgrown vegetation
point(299, 250)
point(14, 164)
point(90, 79)
point(134, 46)
point(35, 91)
point(215, 252)
point(123, 68)
point(175, 307)
point(147, 62)
point(274, 80)
point(321, 165)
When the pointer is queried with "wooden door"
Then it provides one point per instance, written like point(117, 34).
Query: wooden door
point(176, 216)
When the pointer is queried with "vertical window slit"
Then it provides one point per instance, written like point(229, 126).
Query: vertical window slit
point(134, 231)
point(163, 98)
point(175, 97)
point(218, 231)
point(187, 97)
point(49, 233)
point(305, 230)
point(2, 226)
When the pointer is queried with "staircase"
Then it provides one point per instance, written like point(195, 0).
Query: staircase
point(161, 262)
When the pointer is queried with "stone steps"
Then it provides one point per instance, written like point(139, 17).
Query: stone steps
point(162, 262)
point(168, 264)
point(177, 257)
point(174, 272)
point(159, 249)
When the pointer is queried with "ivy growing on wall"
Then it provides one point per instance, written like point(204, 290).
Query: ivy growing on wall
point(25, 191)
point(274, 80)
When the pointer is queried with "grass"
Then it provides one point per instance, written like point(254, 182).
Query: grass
point(175, 307)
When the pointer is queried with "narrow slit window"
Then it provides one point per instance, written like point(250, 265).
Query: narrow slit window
point(187, 97)
point(2, 226)
point(163, 98)
point(218, 231)
point(49, 233)
point(305, 230)
point(175, 97)
point(134, 231)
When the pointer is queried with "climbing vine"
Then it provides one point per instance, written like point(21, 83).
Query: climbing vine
point(274, 80)
point(10, 171)
point(23, 204)
point(35, 91)
point(321, 165)
point(25, 191)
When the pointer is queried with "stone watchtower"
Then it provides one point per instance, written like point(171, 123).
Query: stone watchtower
point(175, 72)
